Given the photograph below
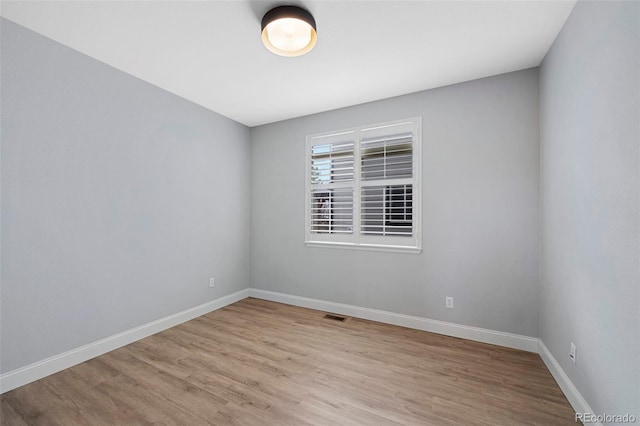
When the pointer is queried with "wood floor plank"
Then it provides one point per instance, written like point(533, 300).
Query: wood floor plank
point(9, 416)
point(257, 362)
point(92, 406)
point(147, 403)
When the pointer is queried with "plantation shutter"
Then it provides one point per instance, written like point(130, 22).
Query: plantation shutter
point(362, 187)
point(332, 179)
point(386, 194)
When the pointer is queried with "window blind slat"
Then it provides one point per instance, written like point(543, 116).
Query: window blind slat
point(390, 139)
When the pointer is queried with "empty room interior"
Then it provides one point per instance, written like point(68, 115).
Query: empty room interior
point(320, 212)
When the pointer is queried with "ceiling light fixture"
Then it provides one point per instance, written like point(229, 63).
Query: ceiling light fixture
point(289, 31)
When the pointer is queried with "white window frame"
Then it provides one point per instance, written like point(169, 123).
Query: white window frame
point(356, 240)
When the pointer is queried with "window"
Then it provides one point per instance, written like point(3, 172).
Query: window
point(363, 187)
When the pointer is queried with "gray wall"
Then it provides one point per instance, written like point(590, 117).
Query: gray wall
point(590, 118)
point(480, 204)
point(119, 201)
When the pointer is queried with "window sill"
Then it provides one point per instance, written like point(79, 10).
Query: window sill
point(366, 247)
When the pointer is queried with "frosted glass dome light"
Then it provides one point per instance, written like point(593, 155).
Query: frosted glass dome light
point(289, 31)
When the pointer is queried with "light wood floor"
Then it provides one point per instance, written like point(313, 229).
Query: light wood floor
point(264, 363)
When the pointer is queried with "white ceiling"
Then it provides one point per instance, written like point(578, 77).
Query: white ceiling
point(210, 52)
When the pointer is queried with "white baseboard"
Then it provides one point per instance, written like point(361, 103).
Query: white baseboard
point(51, 365)
point(572, 393)
point(477, 334)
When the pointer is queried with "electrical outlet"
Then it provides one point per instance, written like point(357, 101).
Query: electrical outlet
point(572, 353)
point(449, 302)
point(211, 282)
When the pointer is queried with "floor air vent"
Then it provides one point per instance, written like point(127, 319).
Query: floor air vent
point(335, 317)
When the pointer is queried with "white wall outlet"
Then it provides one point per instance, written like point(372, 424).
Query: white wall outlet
point(572, 353)
point(449, 302)
point(211, 282)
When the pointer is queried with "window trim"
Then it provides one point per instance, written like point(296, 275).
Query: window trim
point(356, 240)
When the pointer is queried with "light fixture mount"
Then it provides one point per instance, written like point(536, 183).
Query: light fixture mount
point(289, 31)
